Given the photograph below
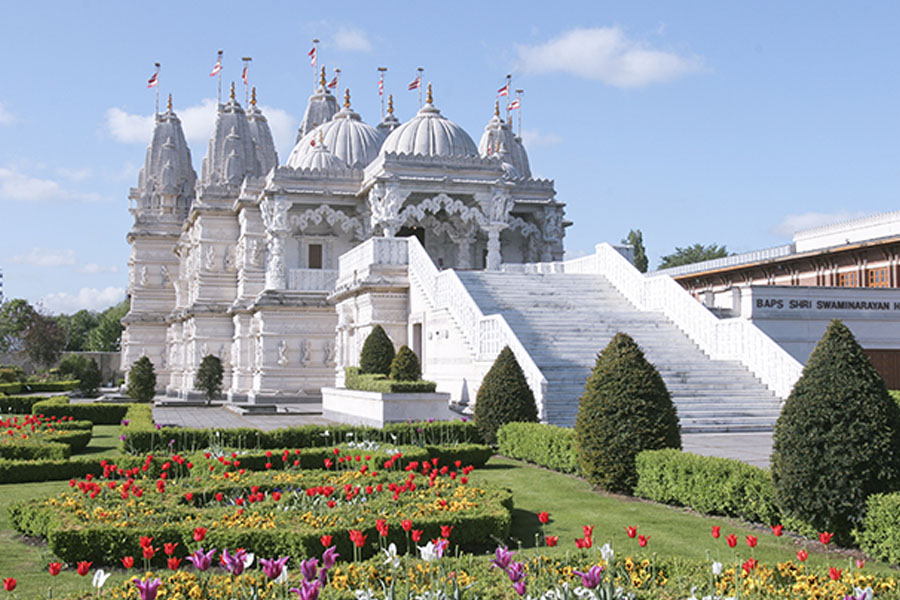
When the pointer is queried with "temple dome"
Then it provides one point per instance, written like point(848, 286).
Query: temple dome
point(430, 134)
point(348, 138)
point(497, 134)
point(319, 158)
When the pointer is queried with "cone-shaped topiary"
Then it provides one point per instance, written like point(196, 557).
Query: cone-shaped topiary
point(625, 409)
point(377, 353)
point(504, 397)
point(141, 380)
point(90, 378)
point(405, 366)
point(209, 377)
point(838, 437)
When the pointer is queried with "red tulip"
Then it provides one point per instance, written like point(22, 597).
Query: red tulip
point(732, 540)
point(55, 568)
point(128, 562)
point(326, 540)
point(382, 527)
point(777, 530)
point(825, 537)
point(84, 567)
point(749, 565)
point(751, 541)
point(189, 496)
point(834, 573)
point(445, 531)
point(173, 563)
point(716, 531)
point(146, 541)
point(199, 533)
point(543, 517)
point(276, 496)
point(642, 540)
point(802, 555)
point(406, 524)
point(552, 540)
point(416, 535)
point(169, 548)
point(588, 530)
point(9, 584)
point(860, 563)
point(631, 531)
point(148, 551)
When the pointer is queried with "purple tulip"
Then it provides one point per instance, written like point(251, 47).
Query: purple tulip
point(502, 556)
point(307, 590)
point(234, 563)
point(273, 568)
point(592, 578)
point(125, 422)
point(330, 557)
point(309, 568)
point(516, 572)
point(122, 437)
point(519, 586)
point(158, 426)
point(202, 561)
point(147, 589)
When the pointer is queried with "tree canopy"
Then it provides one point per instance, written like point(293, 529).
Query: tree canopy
point(692, 254)
point(636, 240)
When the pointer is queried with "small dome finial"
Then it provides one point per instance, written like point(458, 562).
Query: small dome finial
point(322, 79)
point(232, 90)
point(390, 104)
point(321, 138)
point(496, 108)
point(170, 102)
point(429, 99)
point(253, 96)
point(347, 98)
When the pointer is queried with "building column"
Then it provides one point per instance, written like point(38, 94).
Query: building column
point(494, 259)
point(275, 269)
point(463, 251)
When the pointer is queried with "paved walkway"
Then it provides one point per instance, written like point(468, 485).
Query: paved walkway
point(752, 448)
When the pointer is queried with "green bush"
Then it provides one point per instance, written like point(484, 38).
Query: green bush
point(10, 388)
point(880, 533)
point(376, 382)
point(142, 380)
point(837, 440)
point(209, 377)
point(405, 366)
point(34, 450)
point(377, 353)
point(11, 374)
point(707, 484)
point(20, 405)
point(504, 397)
point(545, 445)
point(52, 386)
point(97, 413)
point(625, 409)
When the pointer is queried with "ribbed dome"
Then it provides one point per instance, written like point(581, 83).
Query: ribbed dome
point(319, 158)
point(351, 140)
point(497, 134)
point(430, 134)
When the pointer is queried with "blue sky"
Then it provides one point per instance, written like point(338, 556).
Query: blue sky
point(702, 121)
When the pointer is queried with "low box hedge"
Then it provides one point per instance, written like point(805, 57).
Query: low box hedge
point(20, 405)
point(10, 388)
point(880, 533)
point(378, 382)
point(98, 413)
point(35, 450)
point(707, 484)
point(52, 386)
point(540, 444)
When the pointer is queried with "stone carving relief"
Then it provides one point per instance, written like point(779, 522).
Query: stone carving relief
point(327, 353)
point(305, 352)
point(228, 261)
point(274, 213)
point(145, 276)
point(331, 216)
point(210, 258)
point(164, 275)
point(257, 253)
point(451, 206)
point(282, 353)
point(384, 204)
point(552, 225)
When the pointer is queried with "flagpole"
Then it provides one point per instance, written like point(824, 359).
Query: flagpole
point(508, 94)
point(337, 77)
point(315, 60)
point(519, 99)
point(420, 69)
point(219, 62)
point(381, 70)
point(157, 88)
point(245, 76)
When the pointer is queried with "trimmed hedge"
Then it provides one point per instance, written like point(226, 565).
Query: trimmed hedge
point(707, 484)
point(545, 445)
point(880, 535)
point(52, 386)
point(376, 382)
point(97, 413)
point(35, 450)
point(20, 405)
point(10, 388)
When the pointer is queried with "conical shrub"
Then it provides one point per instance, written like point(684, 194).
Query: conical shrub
point(625, 409)
point(504, 397)
point(141, 380)
point(838, 437)
point(377, 353)
point(405, 366)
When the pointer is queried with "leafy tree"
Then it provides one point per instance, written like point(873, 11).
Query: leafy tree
point(636, 239)
point(377, 353)
point(692, 254)
point(77, 327)
point(15, 317)
point(90, 378)
point(141, 380)
point(837, 440)
point(625, 409)
point(405, 366)
point(504, 397)
point(108, 333)
point(209, 377)
point(44, 340)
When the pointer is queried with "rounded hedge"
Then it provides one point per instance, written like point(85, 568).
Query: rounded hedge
point(504, 397)
point(377, 353)
point(405, 366)
point(625, 409)
point(837, 440)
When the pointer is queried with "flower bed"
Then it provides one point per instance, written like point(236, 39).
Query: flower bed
point(35, 437)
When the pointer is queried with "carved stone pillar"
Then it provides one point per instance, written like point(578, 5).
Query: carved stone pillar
point(276, 278)
point(464, 250)
point(384, 203)
point(494, 259)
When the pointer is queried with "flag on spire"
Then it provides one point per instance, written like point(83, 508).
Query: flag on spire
point(504, 91)
point(333, 83)
point(154, 79)
point(244, 74)
point(381, 85)
point(312, 56)
point(216, 67)
point(513, 105)
point(416, 83)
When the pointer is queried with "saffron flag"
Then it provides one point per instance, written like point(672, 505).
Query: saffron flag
point(312, 57)
point(154, 79)
point(504, 91)
point(244, 74)
point(513, 105)
point(416, 83)
point(216, 68)
point(333, 83)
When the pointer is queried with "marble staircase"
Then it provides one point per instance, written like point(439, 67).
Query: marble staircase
point(565, 319)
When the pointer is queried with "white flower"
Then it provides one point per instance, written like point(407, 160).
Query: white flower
point(863, 594)
point(394, 436)
point(283, 576)
point(607, 553)
point(392, 558)
point(100, 577)
point(365, 594)
point(429, 552)
point(717, 568)
point(248, 560)
point(325, 433)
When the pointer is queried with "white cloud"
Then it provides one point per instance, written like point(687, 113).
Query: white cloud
point(6, 117)
point(15, 185)
point(791, 224)
point(352, 38)
point(128, 128)
point(284, 129)
point(94, 269)
point(88, 298)
point(198, 121)
point(605, 54)
point(74, 174)
point(43, 257)
point(532, 138)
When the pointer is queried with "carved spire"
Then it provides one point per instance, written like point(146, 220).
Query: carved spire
point(322, 79)
point(390, 109)
point(497, 108)
point(253, 96)
point(169, 105)
point(347, 98)
point(429, 99)
point(232, 91)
